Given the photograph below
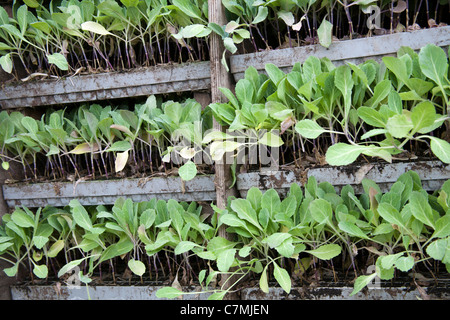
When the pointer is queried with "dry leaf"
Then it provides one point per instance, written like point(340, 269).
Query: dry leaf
point(121, 160)
point(432, 23)
point(400, 7)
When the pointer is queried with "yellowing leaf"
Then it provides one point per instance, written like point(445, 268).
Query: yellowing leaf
point(95, 28)
point(187, 152)
point(84, 148)
point(121, 160)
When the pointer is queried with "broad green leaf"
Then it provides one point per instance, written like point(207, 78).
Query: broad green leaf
point(245, 251)
point(12, 271)
point(270, 139)
point(344, 82)
point(19, 231)
point(264, 217)
point(176, 212)
point(399, 126)
point(219, 244)
point(4, 18)
point(271, 201)
point(361, 282)
point(137, 267)
point(442, 227)
point(264, 282)
point(372, 117)
point(282, 277)
point(383, 228)
point(254, 195)
point(188, 171)
point(261, 15)
point(81, 217)
point(217, 29)
point(32, 3)
point(326, 251)
point(433, 62)
point(274, 73)
point(352, 229)
point(274, 240)
point(40, 241)
point(440, 148)
point(388, 261)
point(421, 209)
point(341, 154)
point(321, 211)
point(380, 92)
point(168, 293)
point(5, 165)
point(232, 221)
point(287, 17)
point(309, 129)
point(395, 102)
point(116, 249)
point(245, 211)
point(111, 9)
point(22, 15)
point(147, 218)
point(188, 8)
point(130, 3)
point(184, 246)
point(390, 214)
point(41, 271)
point(225, 259)
point(244, 91)
point(437, 249)
point(12, 30)
point(324, 32)
point(20, 218)
point(120, 146)
point(58, 60)
point(289, 205)
point(404, 263)
point(231, 97)
point(69, 266)
point(360, 73)
point(286, 248)
point(219, 295)
point(191, 31)
point(55, 248)
point(5, 47)
point(423, 115)
point(94, 27)
point(398, 67)
point(372, 133)
point(30, 124)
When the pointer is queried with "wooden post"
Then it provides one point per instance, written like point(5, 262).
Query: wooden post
point(220, 78)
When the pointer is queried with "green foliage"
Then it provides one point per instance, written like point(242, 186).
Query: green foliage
point(371, 109)
point(105, 140)
point(270, 235)
point(77, 35)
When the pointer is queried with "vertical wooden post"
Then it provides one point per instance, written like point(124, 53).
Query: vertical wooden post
point(220, 78)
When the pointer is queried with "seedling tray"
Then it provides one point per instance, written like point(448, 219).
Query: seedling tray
point(355, 51)
point(432, 174)
point(96, 192)
point(104, 292)
point(439, 291)
point(140, 82)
